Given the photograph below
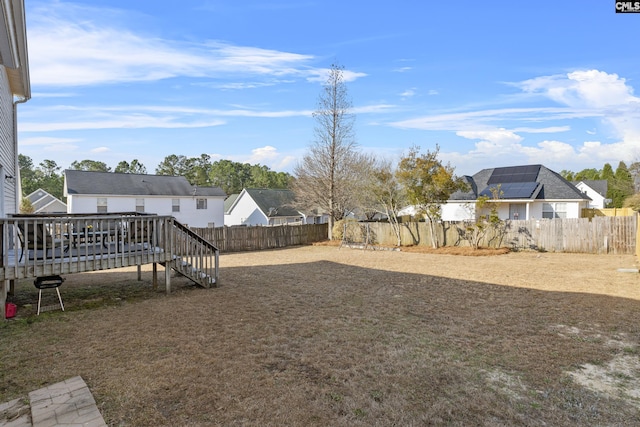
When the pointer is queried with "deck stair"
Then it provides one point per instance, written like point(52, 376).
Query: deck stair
point(194, 257)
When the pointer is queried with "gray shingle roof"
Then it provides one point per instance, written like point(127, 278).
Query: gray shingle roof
point(274, 202)
point(228, 202)
point(551, 185)
point(109, 183)
point(599, 185)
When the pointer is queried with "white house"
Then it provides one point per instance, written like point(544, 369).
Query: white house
point(597, 192)
point(526, 192)
point(44, 202)
point(102, 192)
point(261, 206)
point(14, 89)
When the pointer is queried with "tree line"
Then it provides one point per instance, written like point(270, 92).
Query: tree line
point(231, 176)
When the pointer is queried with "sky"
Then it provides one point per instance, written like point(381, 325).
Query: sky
point(491, 83)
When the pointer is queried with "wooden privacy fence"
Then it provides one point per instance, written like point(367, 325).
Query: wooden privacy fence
point(616, 235)
point(235, 239)
point(591, 212)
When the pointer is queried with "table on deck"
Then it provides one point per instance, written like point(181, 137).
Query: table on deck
point(94, 236)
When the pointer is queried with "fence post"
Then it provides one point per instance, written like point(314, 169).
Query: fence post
point(638, 235)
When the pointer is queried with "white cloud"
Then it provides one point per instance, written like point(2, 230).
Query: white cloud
point(374, 108)
point(38, 95)
point(263, 154)
point(604, 98)
point(408, 93)
point(100, 150)
point(591, 89)
point(486, 119)
point(268, 156)
point(132, 120)
point(500, 137)
point(72, 45)
point(320, 75)
point(551, 129)
point(555, 151)
point(46, 140)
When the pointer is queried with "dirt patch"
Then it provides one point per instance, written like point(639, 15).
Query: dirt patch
point(320, 335)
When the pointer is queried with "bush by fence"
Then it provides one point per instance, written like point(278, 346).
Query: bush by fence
point(617, 235)
point(235, 239)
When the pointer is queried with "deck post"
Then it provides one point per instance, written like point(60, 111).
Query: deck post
point(167, 277)
point(155, 276)
point(3, 298)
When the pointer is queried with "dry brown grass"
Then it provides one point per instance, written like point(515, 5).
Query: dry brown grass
point(317, 336)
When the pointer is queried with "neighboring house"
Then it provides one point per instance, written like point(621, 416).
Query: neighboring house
point(14, 89)
point(527, 192)
point(261, 206)
point(316, 216)
point(44, 202)
point(596, 190)
point(102, 192)
point(228, 202)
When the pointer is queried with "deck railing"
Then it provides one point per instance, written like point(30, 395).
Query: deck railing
point(56, 244)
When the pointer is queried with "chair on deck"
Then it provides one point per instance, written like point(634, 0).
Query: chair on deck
point(140, 231)
point(36, 237)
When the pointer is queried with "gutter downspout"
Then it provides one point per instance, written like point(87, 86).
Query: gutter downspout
point(18, 179)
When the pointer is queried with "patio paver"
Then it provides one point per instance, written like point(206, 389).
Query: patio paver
point(67, 403)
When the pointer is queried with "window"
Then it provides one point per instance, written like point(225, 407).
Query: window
point(175, 205)
point(554, 210)
point(139, 205)
point(102, 205)
point(201, 203)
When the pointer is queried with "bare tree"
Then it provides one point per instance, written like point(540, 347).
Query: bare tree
point(328, 172)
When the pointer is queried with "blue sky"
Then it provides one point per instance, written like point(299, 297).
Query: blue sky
point(493, 83)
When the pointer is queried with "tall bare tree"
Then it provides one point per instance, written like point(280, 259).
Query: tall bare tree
point(328, 172)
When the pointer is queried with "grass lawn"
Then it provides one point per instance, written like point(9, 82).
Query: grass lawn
point(321, 336)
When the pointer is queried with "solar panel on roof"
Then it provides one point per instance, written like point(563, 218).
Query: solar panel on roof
point(512, 190)
point(514, 174)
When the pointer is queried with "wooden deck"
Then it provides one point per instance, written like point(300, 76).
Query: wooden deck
point(38, 246)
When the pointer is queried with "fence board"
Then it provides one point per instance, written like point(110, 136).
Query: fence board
point(235, 239)
point(599, 235)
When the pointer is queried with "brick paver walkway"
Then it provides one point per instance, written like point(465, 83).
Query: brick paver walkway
point(68, 403)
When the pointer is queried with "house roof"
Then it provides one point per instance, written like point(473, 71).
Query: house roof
point(527, 182)
point(13, 47)
point(274, 203)
point(600, 186)
point(228, 202)
point(40, 199)
point(129, 184)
